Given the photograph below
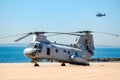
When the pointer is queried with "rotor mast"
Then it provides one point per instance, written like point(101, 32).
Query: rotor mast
point(39, 37)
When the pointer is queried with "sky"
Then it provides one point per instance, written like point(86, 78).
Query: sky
point(23, 16)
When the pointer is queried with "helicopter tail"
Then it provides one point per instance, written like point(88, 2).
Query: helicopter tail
point(104, 14)
point(85, 42)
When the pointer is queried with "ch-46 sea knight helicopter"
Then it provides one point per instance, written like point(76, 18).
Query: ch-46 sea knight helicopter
point(77, 53)
point(100, 14)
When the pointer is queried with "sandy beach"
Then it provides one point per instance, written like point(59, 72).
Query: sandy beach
point(53, 71)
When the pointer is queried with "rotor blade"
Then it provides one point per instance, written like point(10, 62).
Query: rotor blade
point(106, 33)
point(96, 32)
point(11, 36)
point(83, 31)
point(23, 37)
point(57, 33)
point(53, 35)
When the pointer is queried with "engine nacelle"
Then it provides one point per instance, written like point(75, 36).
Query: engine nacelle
point(76, 59)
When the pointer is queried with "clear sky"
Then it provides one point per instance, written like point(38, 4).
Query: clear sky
point(21, 16)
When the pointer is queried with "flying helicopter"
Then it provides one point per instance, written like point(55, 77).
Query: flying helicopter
point(77, 53)
point(100, 14)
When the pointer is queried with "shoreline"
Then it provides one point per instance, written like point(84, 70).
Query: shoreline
point(90, 60)
point(52, 71)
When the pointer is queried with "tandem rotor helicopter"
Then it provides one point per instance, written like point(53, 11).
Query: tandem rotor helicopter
point(77, 53)
point(100, 14)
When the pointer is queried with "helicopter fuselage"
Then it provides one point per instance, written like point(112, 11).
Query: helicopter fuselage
point(54, 51)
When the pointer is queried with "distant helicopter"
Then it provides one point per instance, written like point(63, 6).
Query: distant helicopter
point(100, 14)
point(77, 53)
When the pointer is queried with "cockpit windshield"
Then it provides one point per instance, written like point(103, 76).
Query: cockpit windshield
point(30, 45)
point(35, 45)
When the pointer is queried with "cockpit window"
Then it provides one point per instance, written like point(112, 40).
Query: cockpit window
point(30, 45)
point(39, 46)
point(35, 46)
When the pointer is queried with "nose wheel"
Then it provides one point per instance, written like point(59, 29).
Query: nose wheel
point(35, 61)
point(36, 64)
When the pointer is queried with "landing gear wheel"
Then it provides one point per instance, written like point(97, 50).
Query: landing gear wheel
point(86, 64)
point(36, 65)
point(63, 64)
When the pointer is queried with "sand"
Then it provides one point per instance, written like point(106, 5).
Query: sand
point(53, 71)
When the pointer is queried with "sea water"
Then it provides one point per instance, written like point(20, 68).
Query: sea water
point(107, 52)
point(10, 54)
point(13, 54)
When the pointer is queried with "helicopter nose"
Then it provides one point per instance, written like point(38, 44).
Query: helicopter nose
point(30, 52)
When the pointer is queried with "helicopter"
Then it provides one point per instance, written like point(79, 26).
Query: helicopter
point(77, 53)
point(100, 14)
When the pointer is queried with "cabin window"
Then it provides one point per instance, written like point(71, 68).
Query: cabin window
point(68, 52)
point(56, 50)
point(64, 52)
point(76, 53)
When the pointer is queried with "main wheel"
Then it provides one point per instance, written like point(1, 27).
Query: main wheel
point(86, 64)
point(63, 64)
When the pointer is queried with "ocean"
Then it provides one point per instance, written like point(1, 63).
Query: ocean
point(14, 54)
